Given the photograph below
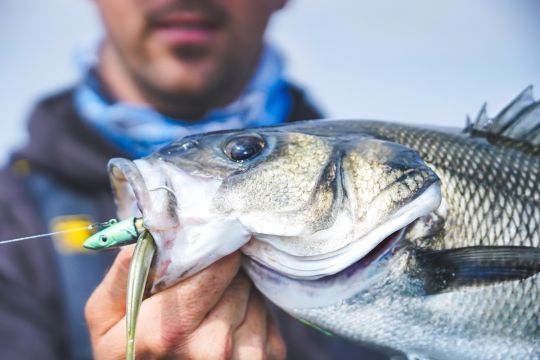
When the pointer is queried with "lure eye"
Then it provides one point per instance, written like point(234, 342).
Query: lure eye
point(178, 148)
point(244, 147)
point(103, 238)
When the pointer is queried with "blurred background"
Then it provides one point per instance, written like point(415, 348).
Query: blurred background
point(416, 61)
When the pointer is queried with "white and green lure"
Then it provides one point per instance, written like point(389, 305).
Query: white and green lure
point(116, 234)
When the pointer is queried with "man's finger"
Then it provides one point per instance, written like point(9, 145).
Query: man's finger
point(249, 341)
point(275, 346)
point(197, 295)
point(172, 315)
point(221, 323)
point(107, 304)
point(230, 312)
point(169, 317)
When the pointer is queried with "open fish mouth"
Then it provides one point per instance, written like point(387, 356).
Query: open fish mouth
point(176, 209)
point(362, 249)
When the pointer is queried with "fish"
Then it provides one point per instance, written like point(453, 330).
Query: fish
point(411, 238)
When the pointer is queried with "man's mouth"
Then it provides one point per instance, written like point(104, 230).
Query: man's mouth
point(186, 28)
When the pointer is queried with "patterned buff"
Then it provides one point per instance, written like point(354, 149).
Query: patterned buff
point(140, 130)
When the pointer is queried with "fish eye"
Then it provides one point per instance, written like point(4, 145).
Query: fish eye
point(178, 148)
point(244, 147)
point(103, 238)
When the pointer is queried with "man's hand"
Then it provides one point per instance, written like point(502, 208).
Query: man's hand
point(216, 314)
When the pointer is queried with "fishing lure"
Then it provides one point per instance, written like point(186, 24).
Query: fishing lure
point(115, 233)
point(139, 269)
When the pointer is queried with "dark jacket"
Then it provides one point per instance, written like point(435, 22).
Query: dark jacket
point(62, 171)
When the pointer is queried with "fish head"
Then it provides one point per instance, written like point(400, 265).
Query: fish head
point(305, 202)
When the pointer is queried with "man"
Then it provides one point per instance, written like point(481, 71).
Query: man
point(166, 68)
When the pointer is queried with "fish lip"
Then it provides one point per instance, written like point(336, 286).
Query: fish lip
point(293, 294)
point(175, 215)
point(323, 265)
point(133, 193)
point(127, 181)
point(384, 248)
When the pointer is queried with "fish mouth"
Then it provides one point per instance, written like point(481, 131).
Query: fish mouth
point(176, 210)
point(140, 190)
point(361, 251)
point(129, 188)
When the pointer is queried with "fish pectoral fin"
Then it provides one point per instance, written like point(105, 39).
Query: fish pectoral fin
point(446, 270)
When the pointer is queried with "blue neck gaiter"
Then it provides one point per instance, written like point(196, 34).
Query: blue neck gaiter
point(140, 130)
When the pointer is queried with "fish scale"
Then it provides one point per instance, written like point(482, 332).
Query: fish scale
point(495, 171)
point(453, 317)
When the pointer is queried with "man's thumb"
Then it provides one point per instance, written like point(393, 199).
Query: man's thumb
point(107, 304)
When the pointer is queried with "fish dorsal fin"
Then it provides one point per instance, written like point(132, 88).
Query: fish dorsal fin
point(446, 270)
point(516, 126)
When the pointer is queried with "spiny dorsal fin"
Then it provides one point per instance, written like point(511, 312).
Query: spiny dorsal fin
point(450, 269)
point(516, 126)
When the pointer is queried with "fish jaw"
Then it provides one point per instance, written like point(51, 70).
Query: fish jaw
point(177, 210)
point(306, 293)
point(319, 266)
point(299, 285)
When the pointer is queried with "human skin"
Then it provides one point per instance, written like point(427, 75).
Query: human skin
point(216, 314)
point(183, 57)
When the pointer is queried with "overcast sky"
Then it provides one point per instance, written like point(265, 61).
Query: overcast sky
point(418, 61)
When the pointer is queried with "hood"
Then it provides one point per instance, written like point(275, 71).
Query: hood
point(66, 147)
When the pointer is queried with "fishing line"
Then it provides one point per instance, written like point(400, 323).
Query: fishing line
point(95, 227)
point(89, 227)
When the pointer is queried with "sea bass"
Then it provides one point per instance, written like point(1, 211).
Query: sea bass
point(410, 238)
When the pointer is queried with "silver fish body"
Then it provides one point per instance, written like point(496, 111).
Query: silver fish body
point(402, 237)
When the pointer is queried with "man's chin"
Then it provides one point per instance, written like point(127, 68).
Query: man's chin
point(189, 77)
point(191, 53)
point(183, 96)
